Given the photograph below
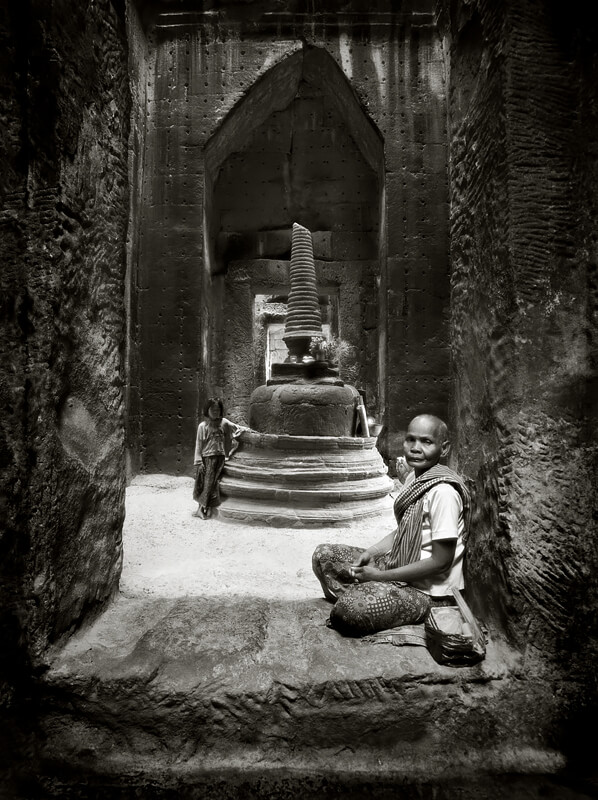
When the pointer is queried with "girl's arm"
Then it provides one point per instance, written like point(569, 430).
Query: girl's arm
point(199, 443)
point(236, 430)
point(233, 431)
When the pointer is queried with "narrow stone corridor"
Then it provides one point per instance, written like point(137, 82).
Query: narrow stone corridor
point(156, 156)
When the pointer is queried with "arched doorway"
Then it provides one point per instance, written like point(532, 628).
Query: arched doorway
point(298, 147)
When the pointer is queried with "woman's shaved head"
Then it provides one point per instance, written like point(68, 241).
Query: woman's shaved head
point(437, 425)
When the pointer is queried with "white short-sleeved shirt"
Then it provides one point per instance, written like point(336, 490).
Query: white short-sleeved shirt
point(442, 520)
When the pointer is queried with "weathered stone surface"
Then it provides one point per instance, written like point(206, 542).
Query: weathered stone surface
point(64, 112)
point(64, 219)
point(165, 691)
point(291, 480)
point(523, 187)
point(304, 409)
point(239, 686)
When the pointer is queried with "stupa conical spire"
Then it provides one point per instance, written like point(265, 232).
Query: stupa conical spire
point(304, 318)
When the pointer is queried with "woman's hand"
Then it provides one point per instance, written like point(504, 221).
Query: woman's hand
point(199, 469)
point(362, 559)
point(366, 573)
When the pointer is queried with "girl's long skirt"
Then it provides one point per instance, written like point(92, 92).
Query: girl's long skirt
point(206, 491)
point(364, 608)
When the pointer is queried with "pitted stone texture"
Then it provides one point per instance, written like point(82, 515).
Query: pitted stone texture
point(65, 204)
point(304, 409)
point(523, 319)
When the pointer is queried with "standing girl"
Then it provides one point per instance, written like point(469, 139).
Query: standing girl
point(217, 440)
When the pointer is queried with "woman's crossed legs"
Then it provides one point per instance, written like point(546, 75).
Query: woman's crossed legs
point(364, 608)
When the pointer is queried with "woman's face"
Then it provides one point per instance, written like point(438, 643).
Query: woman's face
point(423, 445)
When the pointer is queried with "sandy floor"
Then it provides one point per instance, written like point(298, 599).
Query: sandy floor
point(170, 553)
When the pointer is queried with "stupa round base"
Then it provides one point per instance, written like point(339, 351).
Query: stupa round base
point(304, 408)
point(293, 481)
point(252, 512)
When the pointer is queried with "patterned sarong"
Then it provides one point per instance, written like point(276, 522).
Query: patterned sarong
point(364, 608)
point(206, 490)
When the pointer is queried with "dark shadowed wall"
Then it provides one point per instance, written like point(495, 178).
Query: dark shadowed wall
point(523, 112)
point(65, 107)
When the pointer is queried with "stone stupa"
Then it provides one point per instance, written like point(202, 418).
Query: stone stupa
point(302, 462)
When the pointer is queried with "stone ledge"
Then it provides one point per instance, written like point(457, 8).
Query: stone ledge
point(299, 444)
point(317, 494)
point(315, 471)
point(171, 689)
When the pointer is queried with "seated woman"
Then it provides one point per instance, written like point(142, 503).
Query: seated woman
point(397, 581)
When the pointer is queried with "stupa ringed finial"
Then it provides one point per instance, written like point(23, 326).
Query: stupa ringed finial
point(304, 318)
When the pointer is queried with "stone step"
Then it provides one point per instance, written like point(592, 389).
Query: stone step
point(267, 466)
point(197, 691)
point(284, 479)
point(293, 475)
point(316, 495)
point(304, 444)
point(213, 675)
point(250, 510)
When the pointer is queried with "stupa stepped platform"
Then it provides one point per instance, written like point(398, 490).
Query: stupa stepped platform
point(304, 480)
point(279, 513)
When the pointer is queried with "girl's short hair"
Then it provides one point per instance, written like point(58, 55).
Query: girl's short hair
point(213, 401)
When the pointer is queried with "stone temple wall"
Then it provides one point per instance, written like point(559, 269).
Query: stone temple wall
point(139, 70)
point(523, 112)
point(65, 107)
point(215, 80)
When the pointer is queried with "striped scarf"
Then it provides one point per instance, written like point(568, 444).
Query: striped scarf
point(409, 511)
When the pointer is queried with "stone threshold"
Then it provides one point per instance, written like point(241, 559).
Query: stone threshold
point(167, 690)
